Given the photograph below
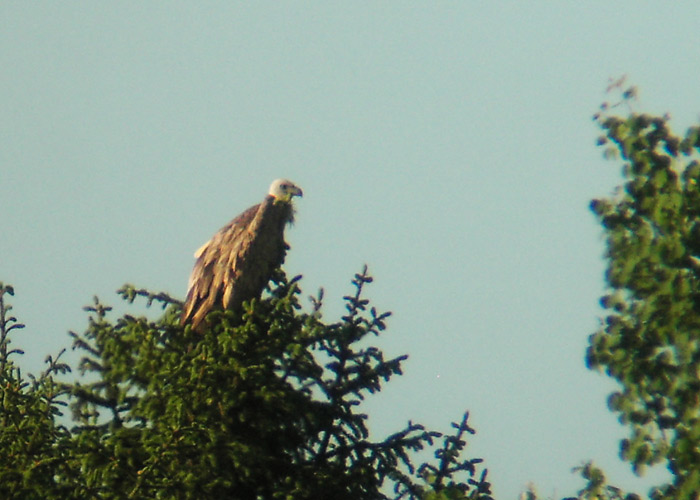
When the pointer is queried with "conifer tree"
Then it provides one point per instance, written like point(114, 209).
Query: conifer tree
point(34, 447)
point(261, 405)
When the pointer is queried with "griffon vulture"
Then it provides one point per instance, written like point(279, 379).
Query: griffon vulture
point(238, 261)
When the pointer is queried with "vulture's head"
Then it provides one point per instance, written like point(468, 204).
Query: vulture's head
point(284, 190)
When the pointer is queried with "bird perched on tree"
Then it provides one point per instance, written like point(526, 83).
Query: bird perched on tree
point(238, 261)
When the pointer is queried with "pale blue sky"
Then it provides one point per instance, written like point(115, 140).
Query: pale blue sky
point(449, 145)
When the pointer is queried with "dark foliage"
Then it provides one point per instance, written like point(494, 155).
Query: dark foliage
point(649, 339)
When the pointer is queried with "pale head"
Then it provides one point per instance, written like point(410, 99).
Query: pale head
point(283, 189)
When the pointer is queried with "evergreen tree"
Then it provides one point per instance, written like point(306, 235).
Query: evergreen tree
point(34, 447)
point(262, 405)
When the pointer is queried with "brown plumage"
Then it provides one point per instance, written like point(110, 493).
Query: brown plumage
point(236, 264)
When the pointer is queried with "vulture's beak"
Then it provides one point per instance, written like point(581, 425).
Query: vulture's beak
point(298, 192)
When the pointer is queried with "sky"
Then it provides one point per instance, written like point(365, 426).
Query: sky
point(448, 145)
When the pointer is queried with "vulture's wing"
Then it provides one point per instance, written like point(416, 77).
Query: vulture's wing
point(217, 266)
